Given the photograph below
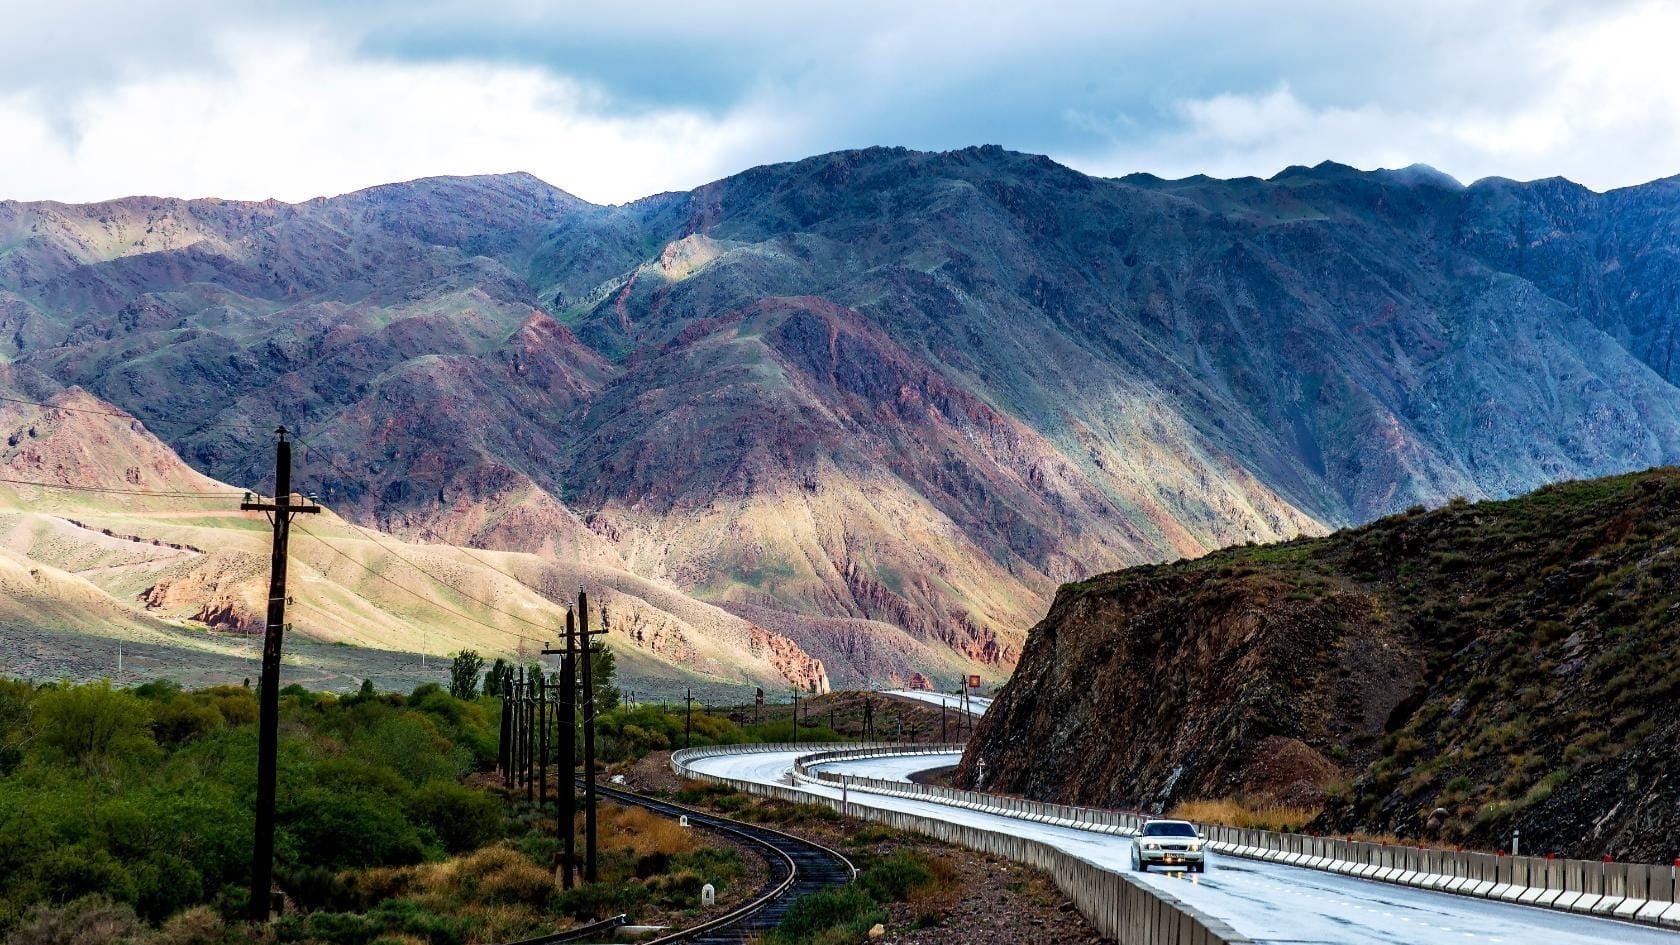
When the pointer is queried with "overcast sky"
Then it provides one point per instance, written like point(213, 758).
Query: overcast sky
point(617, 100)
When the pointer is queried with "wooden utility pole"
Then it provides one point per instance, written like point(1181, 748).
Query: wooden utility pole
point(688, 720)
point(542, 740)
point(531, 736)
point(504, 744)
point(567, 762)
point(589, 872)
point(280, 512)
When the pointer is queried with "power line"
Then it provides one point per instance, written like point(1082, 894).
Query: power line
point(102, 413)
point(171, 494)
point(132, 418)
point(477, 561)
point(373, 536)
point(419, 596)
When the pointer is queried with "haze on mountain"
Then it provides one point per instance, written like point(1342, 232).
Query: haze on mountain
point(880, 401)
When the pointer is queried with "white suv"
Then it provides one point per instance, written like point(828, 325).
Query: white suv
point(1168, 843)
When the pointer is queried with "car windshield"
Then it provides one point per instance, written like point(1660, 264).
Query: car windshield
point(1168, 830)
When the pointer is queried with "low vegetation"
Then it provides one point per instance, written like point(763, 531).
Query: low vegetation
point(1246, 813)
point(125, 818)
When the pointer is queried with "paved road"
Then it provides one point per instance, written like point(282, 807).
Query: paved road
point(977, 705)
point(1265, 901)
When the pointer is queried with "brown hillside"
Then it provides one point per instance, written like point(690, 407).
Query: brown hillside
point(1513, 663)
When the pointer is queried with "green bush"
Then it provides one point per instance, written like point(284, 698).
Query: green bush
point(164, 822)
point(461, 818)
point(839, 914)
point(891, 879)
point(94, 726)
point(77, 871)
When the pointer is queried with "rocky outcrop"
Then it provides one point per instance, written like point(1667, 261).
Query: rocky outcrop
point(1509, 663)
point(795, 665)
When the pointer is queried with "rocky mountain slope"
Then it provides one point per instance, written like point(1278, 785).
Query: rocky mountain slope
point(1447, 675)
point(878, 388)
point(146, 549)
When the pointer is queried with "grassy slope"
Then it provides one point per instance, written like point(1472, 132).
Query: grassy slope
point(145, 568)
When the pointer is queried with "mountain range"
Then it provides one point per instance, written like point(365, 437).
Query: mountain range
point(882, 401)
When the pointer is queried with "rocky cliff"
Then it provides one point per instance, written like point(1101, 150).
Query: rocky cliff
point(1446, 675)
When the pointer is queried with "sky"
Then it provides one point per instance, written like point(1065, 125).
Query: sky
point(612, 101)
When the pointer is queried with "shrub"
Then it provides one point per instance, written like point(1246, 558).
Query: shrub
point(891, 879)
point(183, 720)
point(72, 872)
point(839, 914)
point(323, 827)
point(93, 920)
point(461, 818)
point(94, 725)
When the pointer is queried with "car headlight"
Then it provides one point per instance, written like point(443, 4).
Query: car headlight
point(1152, 846)
point(1195, 848)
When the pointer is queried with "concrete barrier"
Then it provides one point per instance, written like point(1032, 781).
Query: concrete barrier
point(1120, 907)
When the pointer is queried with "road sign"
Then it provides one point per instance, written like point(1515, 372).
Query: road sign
point(973, 681)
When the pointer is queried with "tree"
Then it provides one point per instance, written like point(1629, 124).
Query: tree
point(495, 680)
point(94, 725)
point(603, 666)
point(463, 674)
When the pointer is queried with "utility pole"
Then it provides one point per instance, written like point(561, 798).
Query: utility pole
point(519, 728)
point(942, 739)
point(688, 720)
point(280, 513)
point(530, 736)
point(567, 761)
point(504, 747)
point(796, 715)
point(542, 740)
point(589, 874)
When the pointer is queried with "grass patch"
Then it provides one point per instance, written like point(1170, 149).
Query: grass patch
point(1245, 814)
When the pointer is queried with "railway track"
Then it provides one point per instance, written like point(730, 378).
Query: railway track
point(797, 867)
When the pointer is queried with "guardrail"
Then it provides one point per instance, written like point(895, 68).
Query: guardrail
point(1632, 892)
point(1118, 905)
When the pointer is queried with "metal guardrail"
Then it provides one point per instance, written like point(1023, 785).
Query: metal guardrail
point(1634, 892)
point(1118, 905)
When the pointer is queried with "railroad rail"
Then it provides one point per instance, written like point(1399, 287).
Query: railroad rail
point(797, 867)
point(581, 933)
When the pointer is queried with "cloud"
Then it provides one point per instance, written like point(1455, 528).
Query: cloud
point(294, 118)
point(1598, 103)
point(309, 97)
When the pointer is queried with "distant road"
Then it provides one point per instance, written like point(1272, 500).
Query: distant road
point(977, 705)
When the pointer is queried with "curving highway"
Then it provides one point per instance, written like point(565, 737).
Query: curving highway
point(1268, 902)
point(977, 705)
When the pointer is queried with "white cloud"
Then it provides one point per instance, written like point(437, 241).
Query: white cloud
point(293, 117)
point(297, 98)
point(1601, 106)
